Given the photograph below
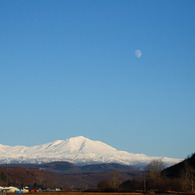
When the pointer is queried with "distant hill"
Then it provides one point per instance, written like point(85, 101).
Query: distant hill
point(21, 176)
point(69, 168)
point(62, 174)
point(175, 171)
point(108, 167)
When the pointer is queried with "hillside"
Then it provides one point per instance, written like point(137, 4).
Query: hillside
point(21, 176)
point(176, 170)
point(69, 168)
point(62, 174)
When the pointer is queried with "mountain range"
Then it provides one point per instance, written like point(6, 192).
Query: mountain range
point(78, 150)
point(67, 168)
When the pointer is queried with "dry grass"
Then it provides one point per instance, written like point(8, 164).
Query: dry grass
point(79, 193)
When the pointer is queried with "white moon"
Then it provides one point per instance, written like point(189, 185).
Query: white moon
point(138, 53)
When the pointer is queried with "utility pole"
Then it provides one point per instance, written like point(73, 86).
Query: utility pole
point(144, 185)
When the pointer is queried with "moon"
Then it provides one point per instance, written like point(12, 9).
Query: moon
point(138, 53)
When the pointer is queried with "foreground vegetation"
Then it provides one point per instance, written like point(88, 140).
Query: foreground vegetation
point(178, 179)
point(101, 193)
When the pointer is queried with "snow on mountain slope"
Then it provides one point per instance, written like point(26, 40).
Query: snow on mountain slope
point(78, 150)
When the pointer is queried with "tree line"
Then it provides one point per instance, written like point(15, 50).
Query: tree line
point(156, 178)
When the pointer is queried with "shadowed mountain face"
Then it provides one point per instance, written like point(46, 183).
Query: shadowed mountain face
point(69, 168)
point(176, 170)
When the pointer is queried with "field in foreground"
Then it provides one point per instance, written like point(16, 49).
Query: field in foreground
point(99, 193)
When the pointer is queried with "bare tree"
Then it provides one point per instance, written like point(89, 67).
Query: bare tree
point(115, 179)
point(188, 177)
point(154, 168)
point(111, 184)
point(153, 173)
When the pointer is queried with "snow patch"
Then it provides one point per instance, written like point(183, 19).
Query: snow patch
point(78, 150)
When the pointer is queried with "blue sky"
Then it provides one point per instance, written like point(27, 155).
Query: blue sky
point(68, 68)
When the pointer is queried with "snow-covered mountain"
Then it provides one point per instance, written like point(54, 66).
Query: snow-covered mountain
point(77, 150)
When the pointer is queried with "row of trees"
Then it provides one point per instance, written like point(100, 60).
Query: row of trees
point(188, 177)
point(153, 179)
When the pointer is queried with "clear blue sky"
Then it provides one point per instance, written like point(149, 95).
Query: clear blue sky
point(68, 68)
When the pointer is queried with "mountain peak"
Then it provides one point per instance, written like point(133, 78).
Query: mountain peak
point(78, 139)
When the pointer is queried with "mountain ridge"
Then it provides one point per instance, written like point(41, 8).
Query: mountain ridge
point(178, 170)
point(77, 150)
point(63, 167)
